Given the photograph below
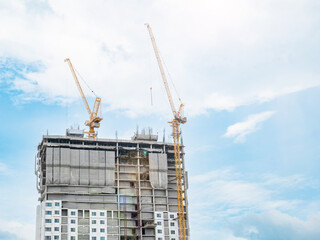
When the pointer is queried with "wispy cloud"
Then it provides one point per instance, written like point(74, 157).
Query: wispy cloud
point(22, 231)
point(240, 130)
point(277, 225)
point(293, 181)
point(216, 174)
point(3, 167)
point(222, 234)
point(18, 202)
point(231, 197)
point(229, 192)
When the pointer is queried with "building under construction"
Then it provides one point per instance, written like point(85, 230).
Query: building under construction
point(99, 189)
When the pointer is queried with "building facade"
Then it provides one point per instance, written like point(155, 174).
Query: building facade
point(102, 189)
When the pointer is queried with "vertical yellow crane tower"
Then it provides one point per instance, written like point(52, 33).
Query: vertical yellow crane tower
point(178, 119)
point(95, 120)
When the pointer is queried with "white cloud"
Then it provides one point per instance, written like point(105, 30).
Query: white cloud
point(230, 198)
point(293, 181)
point(18, 198)
point(224, 234)
point(223, 102)
point(221, 55)
point(203, 178)
point(23, 231)
point(230, 193)
point(277, 225)
point(220, 102)
point(240, 130)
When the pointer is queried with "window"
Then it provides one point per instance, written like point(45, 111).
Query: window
point(48, 229)
point(93, 214)
point(73, 221)
point(73, 230)
point(115, 214)
point(93, 222)
point(102, 214)
point(158, 215)
point(56, 212)
point(94, 238)
point(56, 220)
point(102, 221)
point(48, 221)
point(56, 237)
point(48, 238)
point(171, 216)
point(159, 231)
point(109, 213)
point(159, 238)
point(56, 228)
point(72, 238)
point(172, 224)
point(57, 205)
point(173, 232)
point(49, 204)
point(102, 238)
point(101, 229)
point(173, 239)
point(48, 212)
point(73, 213)
point(159, 223)
point(94, 230)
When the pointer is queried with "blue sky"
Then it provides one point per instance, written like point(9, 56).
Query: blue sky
point(247, 71)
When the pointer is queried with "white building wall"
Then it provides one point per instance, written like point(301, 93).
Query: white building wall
point(72, 227)
point(50, 223)
point(38, 223)
point(50, 220)
point(173, 225)
point(98, 225)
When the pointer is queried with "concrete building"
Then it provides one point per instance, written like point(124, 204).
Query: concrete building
point(102, 189)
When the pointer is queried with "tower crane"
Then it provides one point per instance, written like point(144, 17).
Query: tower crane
point(178, 119)
point(95, 120)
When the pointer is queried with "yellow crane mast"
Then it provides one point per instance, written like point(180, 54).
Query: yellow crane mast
point(95, 120)
point(178, 119)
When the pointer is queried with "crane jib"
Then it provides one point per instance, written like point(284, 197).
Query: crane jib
point(94, 121)
point(178, 119)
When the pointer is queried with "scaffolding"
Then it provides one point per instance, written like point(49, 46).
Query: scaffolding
point(131, 179)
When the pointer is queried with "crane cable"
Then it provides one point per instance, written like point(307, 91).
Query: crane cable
point(100, 108)
point(85, 82)
point(174, 86)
